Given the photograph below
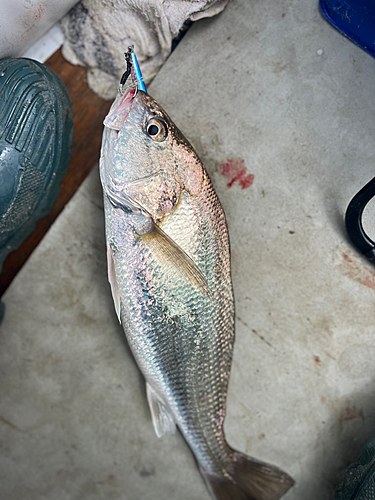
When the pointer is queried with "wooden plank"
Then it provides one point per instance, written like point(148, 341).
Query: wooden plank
point(89, 111)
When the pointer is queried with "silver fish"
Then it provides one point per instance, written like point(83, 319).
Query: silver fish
point(169, 270)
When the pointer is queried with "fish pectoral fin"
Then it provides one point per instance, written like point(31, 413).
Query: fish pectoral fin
point(171, 253)
point(113, 281)
point(126, 203)
point(162, 417)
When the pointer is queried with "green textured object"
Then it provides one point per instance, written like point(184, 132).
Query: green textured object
point(358, 482)
point(36, 133)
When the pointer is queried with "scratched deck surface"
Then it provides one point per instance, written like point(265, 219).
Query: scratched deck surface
point(280, 109)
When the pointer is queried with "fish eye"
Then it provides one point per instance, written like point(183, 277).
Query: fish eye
point(156, 129)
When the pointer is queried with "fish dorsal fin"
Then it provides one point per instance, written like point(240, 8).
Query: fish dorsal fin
point(169, 252)
point(113, 281)
point(162, 417)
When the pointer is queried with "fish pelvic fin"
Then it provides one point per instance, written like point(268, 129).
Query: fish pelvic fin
point(248, 479)
point(113, 282)
point(162, 418)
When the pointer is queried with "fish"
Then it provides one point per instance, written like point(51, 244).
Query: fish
point(169, 270)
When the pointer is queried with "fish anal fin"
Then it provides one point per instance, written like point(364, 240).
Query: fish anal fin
point(248, 479)
point(113, 281)
point(162, 418)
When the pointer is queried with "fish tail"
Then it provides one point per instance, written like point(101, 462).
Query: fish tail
point(248, 479)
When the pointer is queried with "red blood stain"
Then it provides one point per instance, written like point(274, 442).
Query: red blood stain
point(39, 12)
point(357, 271)
point(351, 413)
point(347, 258)
point(33, 15)
point(234, 170)
point(317, 359)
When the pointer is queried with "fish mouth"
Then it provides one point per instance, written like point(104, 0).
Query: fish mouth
point(127, 91)
point(131, 82)
point(120, 108)
point(114, 121)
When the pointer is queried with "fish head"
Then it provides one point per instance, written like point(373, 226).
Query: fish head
point(145, 158)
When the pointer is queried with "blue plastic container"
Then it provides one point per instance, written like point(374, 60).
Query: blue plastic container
point(354, 18)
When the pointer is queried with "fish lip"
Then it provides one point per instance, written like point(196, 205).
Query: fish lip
point(114, 120)
point(120, 108)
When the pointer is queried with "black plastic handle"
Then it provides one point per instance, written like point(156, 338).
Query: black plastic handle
point(353, 220)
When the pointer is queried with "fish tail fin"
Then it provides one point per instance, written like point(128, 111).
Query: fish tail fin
point(248, 479)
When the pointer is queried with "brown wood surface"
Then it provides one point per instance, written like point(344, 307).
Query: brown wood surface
point(88, 114)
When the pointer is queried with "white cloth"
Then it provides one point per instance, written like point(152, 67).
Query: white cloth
point(98, 32)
